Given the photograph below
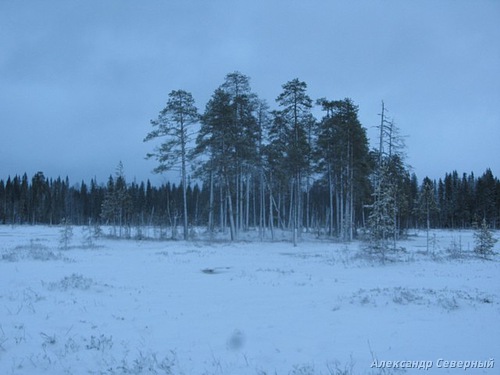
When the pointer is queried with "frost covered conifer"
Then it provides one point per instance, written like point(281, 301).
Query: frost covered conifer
point(88, 236)
point(66, 233)
point(388, 180)
point(382, 221)
point(484, 240)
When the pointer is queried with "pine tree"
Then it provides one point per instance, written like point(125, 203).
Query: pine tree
point(344, 161)
point(263, 123)
point(228, 139)
point(40, 198)
point(486, 192)
point(427, 205)
point(216, 142)
point(294, 117)
point(244, 105)
point(117, 203)
point(484, 240)
point(173, 124)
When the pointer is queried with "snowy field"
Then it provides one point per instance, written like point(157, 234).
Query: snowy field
point(175, 307)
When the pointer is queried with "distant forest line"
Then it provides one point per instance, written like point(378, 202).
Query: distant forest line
point(461, 201)
point(264, 168)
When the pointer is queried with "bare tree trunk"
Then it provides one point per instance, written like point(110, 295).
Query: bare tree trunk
point(184, 198)
point(308, 208)
point(271, 218)
point(339, 211)
point(247, 199)
point(342, 213)
point(222, 208)
point(211, 204)
point(262, 207)
point(282, 209)
point(299, 214)
point(330, 196)
point(231, 217)
point(237, 186)
point(290, 209)
point(184, 180)
point(240, 204)
point(353, 213)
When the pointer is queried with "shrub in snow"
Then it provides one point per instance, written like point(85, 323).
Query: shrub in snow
point(100, 343)
point(455, 250)
point(87, 237)
point(48, 339)
point(71, 346)
point(3, 339)
point(97, 230)
point(35, 250)
point(335, 368)
point(484, 240)
point(303, 370)
point(192, 233)
point(75, 281)
point(149, 363)
point(175, 232)
point(139, 235)
point(448, 302)
point(404, 296)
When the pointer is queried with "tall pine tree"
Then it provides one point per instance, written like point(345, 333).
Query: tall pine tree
point(173, 126)
point(294, 117)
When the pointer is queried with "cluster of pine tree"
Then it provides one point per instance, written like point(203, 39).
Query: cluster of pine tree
point(263, 169)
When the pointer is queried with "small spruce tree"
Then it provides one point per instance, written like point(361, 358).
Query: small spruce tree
point(484, 240)
point(88, 236)
point(66, 233)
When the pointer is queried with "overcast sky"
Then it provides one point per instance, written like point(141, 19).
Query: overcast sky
point(80, 80)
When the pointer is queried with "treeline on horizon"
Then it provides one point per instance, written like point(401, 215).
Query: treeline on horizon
point(461, 201)
point(257, 168)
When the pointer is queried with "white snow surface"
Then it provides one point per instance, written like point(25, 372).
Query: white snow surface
point(249, 307)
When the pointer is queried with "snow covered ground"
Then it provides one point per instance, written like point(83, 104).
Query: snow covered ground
point(175, 307)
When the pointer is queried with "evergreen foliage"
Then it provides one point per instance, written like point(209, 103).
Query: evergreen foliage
point(389, 177)
point(227, 147)
point(343, 159)
point(66, 234)
point(290, 126)
point(152, 205)
point(382, 219)
point(484, 240)
point(117, 203)
point(427, 204)
point(173, 125)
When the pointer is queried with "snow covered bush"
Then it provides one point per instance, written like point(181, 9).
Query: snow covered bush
point(101, 343)
point(484, 240)
point(88, 237)
point(3, 339)
point(149, 363)
point(75, 281)
point(35, 251)
point(455, 250)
